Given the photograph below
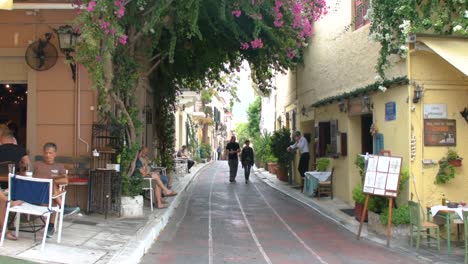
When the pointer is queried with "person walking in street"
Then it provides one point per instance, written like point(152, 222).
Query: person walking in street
point(247, 159)
point(303, 146)
point(219, 150)
point(233, 149)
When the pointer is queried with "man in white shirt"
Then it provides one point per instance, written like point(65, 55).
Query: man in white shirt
point(303, 146)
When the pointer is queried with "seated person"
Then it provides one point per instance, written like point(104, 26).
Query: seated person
point(181, 154)
point(49, 169)
point(10, 151)
point(142, 166)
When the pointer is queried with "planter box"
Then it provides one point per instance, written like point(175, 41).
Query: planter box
point(358, 207)
point(281, 174)
point(272, 167)
point(400, 232)
point(455, 163)
point(131, 206)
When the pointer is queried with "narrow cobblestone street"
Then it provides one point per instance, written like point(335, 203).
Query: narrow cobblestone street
point(221, 222)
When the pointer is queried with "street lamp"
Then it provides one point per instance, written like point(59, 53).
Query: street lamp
point(67, 41)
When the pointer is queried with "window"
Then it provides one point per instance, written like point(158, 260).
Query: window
point(360, 11)
point(327, 143)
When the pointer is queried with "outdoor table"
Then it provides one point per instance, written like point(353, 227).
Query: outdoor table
point(449, 214)
point(312, 180)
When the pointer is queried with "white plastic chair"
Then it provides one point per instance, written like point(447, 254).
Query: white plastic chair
point(150, 189)
point(37, 196)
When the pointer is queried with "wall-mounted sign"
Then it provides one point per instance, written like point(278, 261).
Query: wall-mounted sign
point(435, 111)
point(390, 111)
point(357, 106)
point(440, 132)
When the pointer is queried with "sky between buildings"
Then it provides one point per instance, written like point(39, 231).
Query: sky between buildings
point(246, 95)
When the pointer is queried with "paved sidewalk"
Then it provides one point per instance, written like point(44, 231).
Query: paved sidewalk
point(331, 209)
point(90, 239)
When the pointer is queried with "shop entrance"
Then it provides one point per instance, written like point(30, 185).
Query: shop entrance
point(13, 109)
point(366, 137)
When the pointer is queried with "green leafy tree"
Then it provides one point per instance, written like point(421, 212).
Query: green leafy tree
point(253, 116)
point(242, 132)
point(185, 44)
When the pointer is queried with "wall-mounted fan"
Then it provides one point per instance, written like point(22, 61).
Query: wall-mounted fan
point(41, 55)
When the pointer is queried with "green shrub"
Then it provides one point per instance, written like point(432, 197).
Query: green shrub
point(280, 141)
point(205, 151)
point(322, 164)
point(361, 164)
point(358, 195)
point(262, 147)
point(131, 185)
point(400, 216)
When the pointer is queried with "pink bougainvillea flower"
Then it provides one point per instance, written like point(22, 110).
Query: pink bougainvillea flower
point(123, 39)
point(113, 31)
point(244, 45)
point(257, 43)
point(91, 6)
point(98, 58)
point(290, 53)
point(236, 13)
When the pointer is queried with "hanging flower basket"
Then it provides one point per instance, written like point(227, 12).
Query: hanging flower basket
point(455, 163)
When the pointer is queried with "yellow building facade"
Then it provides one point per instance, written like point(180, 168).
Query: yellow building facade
point(336, 98)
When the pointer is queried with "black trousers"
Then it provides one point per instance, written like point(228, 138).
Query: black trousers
point(247, 168)
point(190, 163)
point(303, 164)
point(233, 165)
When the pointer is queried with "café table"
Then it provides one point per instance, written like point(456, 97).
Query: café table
point(312, 180)
point(450, 214)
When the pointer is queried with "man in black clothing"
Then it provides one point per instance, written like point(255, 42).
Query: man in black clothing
point(10, 151)
point(233, 149)
point(247, 159)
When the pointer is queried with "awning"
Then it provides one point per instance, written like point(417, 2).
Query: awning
point(453, 50)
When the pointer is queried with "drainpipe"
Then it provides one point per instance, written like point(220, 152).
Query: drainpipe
point(78, 109)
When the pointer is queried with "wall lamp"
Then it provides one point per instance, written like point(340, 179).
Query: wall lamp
point(464, 114)
point(304, 111)
point(417, 94)
point(67, 42)
point(366, 100)
point(342, 106)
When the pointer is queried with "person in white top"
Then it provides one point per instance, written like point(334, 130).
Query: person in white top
point(303, 146)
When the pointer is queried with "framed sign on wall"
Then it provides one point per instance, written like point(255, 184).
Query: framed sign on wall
point(440, 132)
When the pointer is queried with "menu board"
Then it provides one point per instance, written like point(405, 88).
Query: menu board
point(382, 175)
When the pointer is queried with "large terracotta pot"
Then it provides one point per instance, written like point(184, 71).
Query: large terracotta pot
point(272, 167)
point(358, 207)
point(281, 174)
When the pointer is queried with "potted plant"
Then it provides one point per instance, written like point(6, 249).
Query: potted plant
point(453, 158)
point(132, 200)
point(280, 141)
point(322, 164)
point(359, 198)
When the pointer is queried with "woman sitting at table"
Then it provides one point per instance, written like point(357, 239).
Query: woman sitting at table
point(159, 181)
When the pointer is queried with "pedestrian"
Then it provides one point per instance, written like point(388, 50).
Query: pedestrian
point(247, 159)
point(219, 150)
point(303, 146)
point(233, 149)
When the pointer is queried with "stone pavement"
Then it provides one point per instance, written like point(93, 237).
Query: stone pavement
point(90, 239)
point(331, 209)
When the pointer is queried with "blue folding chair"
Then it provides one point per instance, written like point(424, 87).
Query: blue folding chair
point(37, 196)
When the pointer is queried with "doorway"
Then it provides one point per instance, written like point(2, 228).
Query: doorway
point(366, 137)
point(13, 109)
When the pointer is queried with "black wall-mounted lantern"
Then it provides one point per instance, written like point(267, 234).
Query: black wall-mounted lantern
point(417, 94)
point(304, 111)
point(366, 100)
point(464, 114)
point(342, 106)
point(67, 42)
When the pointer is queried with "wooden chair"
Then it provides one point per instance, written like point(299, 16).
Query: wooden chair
point(326, 187)
point(419, 227)
point(465, 221)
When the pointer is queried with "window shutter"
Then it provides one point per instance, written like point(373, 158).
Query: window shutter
point(333, 134)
